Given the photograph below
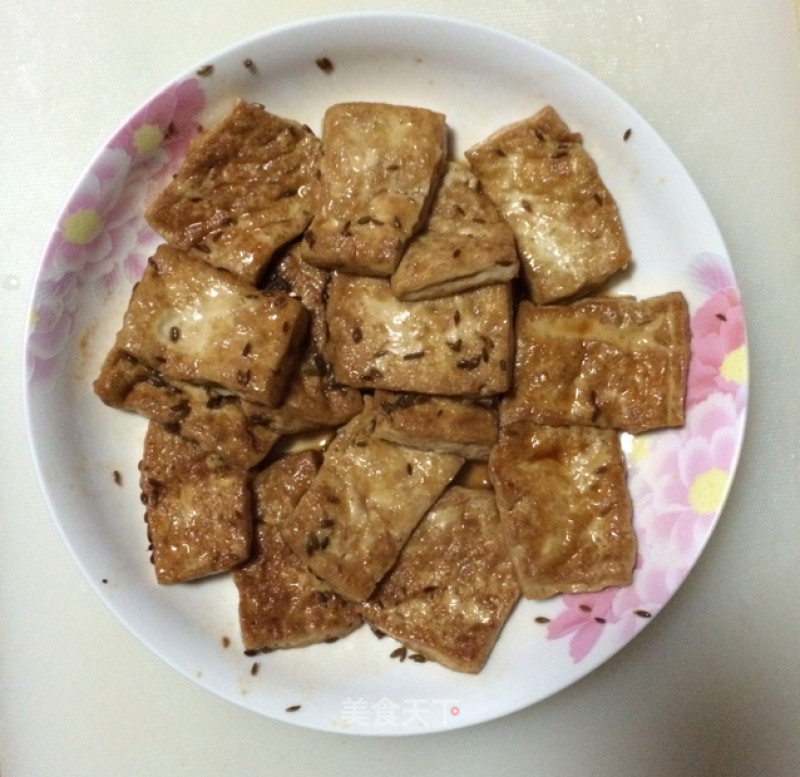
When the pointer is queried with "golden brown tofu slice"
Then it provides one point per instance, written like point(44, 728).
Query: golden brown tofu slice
point(379, 169)
point(197, 323)
point(199, 509)
point(464, 244)
point(465, 427)
point(244, 190)
point(218, 422)
point(459, 345)
point(612, 361)
point(567, 225)
point(351, 524)
point(453, 587)
point(565, 508)
point(281, 603)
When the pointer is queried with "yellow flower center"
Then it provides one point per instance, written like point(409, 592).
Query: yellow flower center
point(734, 365)
point(705, 495)
point(147, 138)
point(82, 226)
point(639, 447)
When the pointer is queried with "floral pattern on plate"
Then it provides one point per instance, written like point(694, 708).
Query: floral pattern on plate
point(101, 240)
point(678, 478)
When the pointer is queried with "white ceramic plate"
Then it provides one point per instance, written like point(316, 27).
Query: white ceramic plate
point(481, 79)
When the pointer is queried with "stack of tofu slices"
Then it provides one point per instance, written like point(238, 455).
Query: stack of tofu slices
point(432, 317)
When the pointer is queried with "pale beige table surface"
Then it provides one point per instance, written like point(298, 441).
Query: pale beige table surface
point(712, 687)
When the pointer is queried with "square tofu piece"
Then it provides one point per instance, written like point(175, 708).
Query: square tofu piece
point(380, 166)
point(460, 345)
point(197, 323)
point(281, 603)
point(611, 361)
point(453, 587)
point(217, 422)
point(565, 508)
point(351, 524)
point(465, 427)
point(465, 243)
point(243, 191)
point(199, 509)
point(568, 229)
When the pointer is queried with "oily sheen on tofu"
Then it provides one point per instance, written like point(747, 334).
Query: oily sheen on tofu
point(546, 185)
point(244, 190)
point(351, 524)
point(198, 508)
point(453, 586)
point(194, 322)
point(564, 507)
point(379, 169)
point(609, 362)
point(464, 244)
point(218, 422)
point(281, 603)
point(458, 345)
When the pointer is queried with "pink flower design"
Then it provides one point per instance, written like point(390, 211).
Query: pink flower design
point(678, 478)
point(583, 620)
point(102, 239)
point(719, 352)
point(160, 132)
point(696, 464)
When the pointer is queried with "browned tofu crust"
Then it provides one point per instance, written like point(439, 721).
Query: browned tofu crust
point(609, 361)
point(281, 603)
point(567, 226)
point(465, 427)
point(244, 190)
point(464, 244)
point(379, 168)
point(218, 422)
point(368, 496)
point(313, 399)
point(453, 587)
point(459, 345)
point(197, 323)
point(198, 509)
point(565, 508)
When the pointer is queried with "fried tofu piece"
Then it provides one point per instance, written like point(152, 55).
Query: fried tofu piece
point(453, 587)
point(281, 603)
point(313, 399)
point(460, 345)
point(379, 169)
point(244, 190)
point(565, 508)
point(465, 427)
point(612, 361)
point(217, 422)
point(465, 243)
point(199, 509)
point(546, 185)
point(351, 524)
point(194, 322)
